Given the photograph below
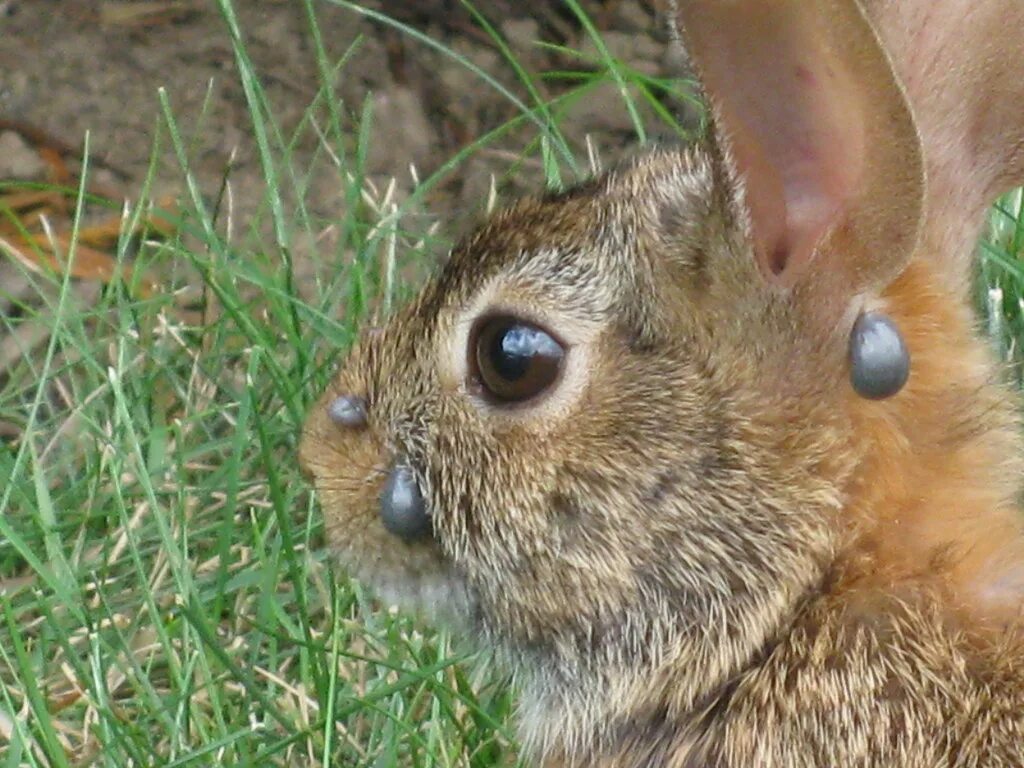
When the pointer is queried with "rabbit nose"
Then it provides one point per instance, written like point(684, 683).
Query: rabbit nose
point(402, 508)
point(348, 411)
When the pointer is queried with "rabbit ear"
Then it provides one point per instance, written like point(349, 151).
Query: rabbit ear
point(816, 126)
point(961, 64)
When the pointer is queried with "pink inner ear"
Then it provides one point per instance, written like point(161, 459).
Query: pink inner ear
point(792, 118)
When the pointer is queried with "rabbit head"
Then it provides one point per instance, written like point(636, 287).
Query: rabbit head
point(614, 437)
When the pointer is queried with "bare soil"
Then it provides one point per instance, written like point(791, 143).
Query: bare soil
point(97, 69)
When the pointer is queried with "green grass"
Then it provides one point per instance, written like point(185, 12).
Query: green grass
point(166, 595)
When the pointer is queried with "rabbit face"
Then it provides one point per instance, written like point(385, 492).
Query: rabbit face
point(630, 504)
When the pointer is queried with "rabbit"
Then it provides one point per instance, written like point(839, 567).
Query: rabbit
point(615, 439)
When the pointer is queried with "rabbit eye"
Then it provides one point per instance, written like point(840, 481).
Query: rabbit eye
point(513, 360)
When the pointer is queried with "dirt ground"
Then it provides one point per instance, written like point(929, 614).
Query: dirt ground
point(66, 68)
point(72, 68)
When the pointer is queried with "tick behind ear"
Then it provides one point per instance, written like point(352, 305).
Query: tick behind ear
point(879, 358)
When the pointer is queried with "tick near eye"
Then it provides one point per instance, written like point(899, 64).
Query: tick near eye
point(403, 510)
point(348, 411)
point(512, 360)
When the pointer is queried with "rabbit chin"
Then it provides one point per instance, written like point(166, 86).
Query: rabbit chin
point(437, 594)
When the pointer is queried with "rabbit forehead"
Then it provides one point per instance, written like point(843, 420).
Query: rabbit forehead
point(585, 238)
point(537, 251)
point(579, 280)
point(574, 292)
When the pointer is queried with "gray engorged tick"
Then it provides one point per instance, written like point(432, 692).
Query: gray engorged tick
point(348, 411)
point(402, 508)
point(879, 358)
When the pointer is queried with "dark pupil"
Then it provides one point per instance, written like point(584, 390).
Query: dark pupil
point(513, 351)
point(516, 361)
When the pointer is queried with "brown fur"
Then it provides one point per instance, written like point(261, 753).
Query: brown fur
point(702, 549)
